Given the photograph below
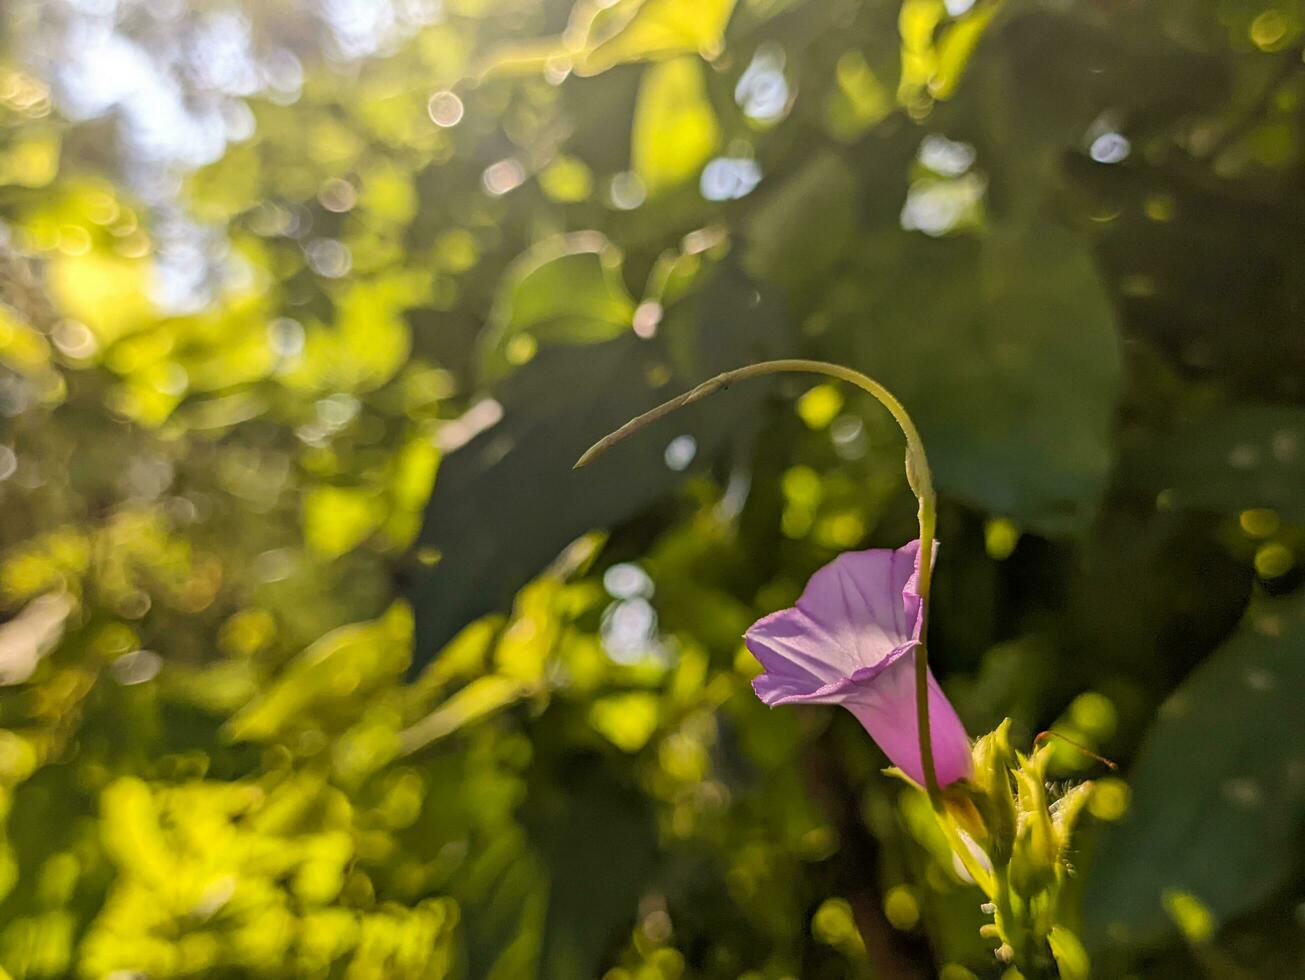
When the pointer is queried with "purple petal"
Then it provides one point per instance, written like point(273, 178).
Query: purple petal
point(856, 616)
point(886, 707)
point(867, 599)
point(783, 686)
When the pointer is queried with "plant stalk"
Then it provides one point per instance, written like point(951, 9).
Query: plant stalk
point(918, 476)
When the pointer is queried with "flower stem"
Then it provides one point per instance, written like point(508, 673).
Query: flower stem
point(918, 476)
point(928, 522)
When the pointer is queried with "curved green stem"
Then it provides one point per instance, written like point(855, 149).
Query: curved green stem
point(928, 522)
point(918, 476)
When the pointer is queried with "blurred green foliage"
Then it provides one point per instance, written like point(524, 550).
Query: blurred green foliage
point(319, 661)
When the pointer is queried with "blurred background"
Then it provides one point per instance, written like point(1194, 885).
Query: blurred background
point(317, 660)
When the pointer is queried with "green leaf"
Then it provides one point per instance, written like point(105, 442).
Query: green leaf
point(414, 473)
point(331, 674)
point(107, 293)
point(479, 699)
point(567, 179)
point(371, 335)
point(1004, 350)
point(916, 24)
point(567, 290)
point(860, 101)
point(516, 476)
point(662, 28)
point(955, 49)
point(1218, 797)
point(805, 226)
point(338, 519)
point(1237, 458)
point(675, 129)
point(598, 838)
point(366, 345)
point(1071, 958)
point(626, 720)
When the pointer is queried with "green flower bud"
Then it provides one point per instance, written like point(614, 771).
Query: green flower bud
point(964, 805)
point(1036, 764)
point(993, 753)
point(1065, 812)
point(1035, 857)
point(993, 761)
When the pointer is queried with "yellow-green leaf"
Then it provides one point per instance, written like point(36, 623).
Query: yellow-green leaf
point(955, 48)
point(334, 672)
point(480, 698)
point(660, 29)
point(105, 292)
point(567, 290)
point(675, 129)
point(626, 720)
point(338, 519)
point(1071, 957)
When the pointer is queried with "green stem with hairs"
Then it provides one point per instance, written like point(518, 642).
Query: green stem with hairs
point(918, 476)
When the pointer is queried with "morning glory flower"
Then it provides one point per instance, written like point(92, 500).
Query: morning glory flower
point(849, 641)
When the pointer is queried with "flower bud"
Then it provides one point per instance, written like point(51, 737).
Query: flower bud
point(993, 755)
point(1066, 810)
point(976, 854)
point(963, 804)
point(1035, 856)
point(993, 761)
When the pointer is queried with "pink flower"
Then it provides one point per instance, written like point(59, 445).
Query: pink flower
point(849, 641)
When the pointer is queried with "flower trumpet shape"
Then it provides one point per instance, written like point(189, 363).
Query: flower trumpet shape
point(849, 641)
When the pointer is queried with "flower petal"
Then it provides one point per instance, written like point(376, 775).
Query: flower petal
point(796, 652)
point(776, 688)
point(857, 614)
point(861, 598)
point(886, 707)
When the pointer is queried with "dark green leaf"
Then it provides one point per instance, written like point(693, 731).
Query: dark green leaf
point(1218, 793)
point(1240, 457)
point(599, 842)
point(804, 227)
point(517, 478)
point(567, 290)
point(1004, 349)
